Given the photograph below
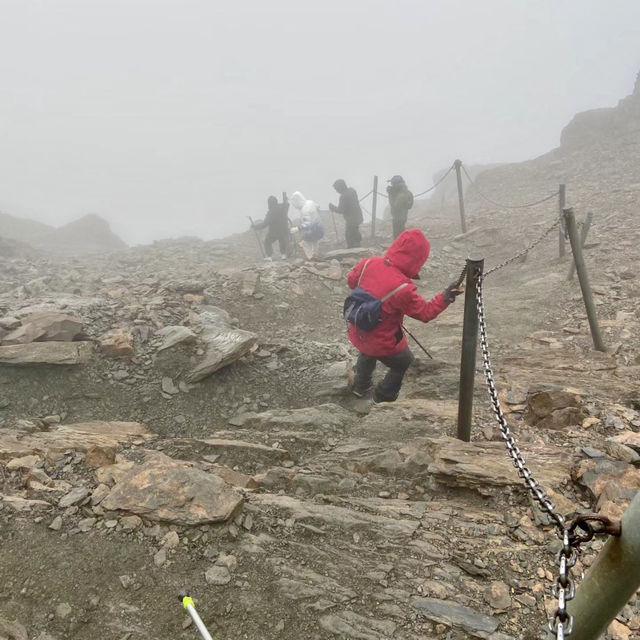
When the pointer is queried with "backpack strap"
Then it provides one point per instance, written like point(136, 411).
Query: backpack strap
point(362, 272)
point(404, 284)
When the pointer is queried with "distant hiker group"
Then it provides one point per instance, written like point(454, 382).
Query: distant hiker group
point(308, 230)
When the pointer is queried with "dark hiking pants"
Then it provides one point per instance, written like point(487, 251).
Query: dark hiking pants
point(398, 223)
point(283, 240)
point(387, 390)
point(352, 236)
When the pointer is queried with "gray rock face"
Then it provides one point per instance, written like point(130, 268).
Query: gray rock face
point(44, 327)
point(167, 490)
point(223, 343)
point(336, 379)
point(63, 353)
point(453, 614)
point(174, 335)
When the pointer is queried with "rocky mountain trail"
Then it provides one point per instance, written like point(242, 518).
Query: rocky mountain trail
point(178, 416)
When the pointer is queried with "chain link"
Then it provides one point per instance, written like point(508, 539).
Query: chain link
point(561, 622)
point(526, 250)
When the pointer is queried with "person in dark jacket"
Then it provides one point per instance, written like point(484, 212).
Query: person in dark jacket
point(277, 224)
point(387, 342)
point(349, 207)
point(400, 201)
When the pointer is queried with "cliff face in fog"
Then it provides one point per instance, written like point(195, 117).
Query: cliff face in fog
point(89, 234)
point(604, 125)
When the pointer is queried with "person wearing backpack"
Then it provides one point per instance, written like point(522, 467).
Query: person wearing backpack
point(349, 207)
point(400, 201)
point(386, 283)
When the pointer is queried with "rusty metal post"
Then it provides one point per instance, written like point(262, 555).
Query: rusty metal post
point(562, 203)
point(374, 206)
point(463, 220)
point(583, 239)
point(611, 580)
point(583, 277)
point(469, 349)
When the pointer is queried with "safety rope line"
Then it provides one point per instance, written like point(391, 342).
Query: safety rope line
point(526, 250)
point(501, 204)
point(437, 184)
point(366, 196)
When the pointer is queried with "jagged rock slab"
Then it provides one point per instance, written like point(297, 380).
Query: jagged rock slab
point(452, 614)
point(355, 252)
point(79, 437)
point(223, 343)
point(167, 490)
point(59, 353)
point(45, 327)
point(339, 517)
point(336, 379)
point(174, 335)
point(322, 416)
point(348, 624)
point(486, 466)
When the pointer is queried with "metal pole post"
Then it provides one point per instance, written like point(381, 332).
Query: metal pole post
point(583, 239)
point(463, 220)
point(583, 277)
point(374, 206)
point(562, 203)
point(611, 580)
point(469, 348)
point(187, 603)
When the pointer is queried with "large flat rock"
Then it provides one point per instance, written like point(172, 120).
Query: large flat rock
point(62, 353)
point(79, 437)
point(167, 490)
point(486, 466)
point(455, 615)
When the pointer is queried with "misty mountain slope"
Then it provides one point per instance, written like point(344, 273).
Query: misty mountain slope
point(88, 234)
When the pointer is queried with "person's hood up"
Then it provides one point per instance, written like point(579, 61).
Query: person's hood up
point(297, 200)
point(272, 203)
point(409, 252)
point(340, 185)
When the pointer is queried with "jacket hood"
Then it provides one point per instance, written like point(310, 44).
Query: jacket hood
point(340, 185)
point(409, 252)
point(297, 200)
point(272, 203)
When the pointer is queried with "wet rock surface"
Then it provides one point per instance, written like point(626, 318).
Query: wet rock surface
point(203, 437)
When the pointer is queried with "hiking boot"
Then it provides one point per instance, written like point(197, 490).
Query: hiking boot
point(360, 393)
point(377, 398)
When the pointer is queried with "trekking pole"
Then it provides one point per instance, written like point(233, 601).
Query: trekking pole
point(416, 340)
point(187, 604)
point(257, 236)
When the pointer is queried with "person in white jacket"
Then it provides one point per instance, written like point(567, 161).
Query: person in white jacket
point(310, 225)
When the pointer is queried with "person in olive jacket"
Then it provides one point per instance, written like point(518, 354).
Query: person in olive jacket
point(349, 207)
point(400, 201)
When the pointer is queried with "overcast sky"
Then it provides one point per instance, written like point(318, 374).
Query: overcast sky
point(181, 117)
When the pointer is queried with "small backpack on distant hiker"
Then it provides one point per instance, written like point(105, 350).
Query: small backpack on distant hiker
point(363, 309)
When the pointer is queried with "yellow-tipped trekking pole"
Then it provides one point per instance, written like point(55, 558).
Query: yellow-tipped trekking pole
point(187, 604)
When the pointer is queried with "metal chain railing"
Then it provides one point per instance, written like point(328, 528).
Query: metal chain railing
point(561, 622)
point(437, 184)
point(501, 204)
point(526, 250)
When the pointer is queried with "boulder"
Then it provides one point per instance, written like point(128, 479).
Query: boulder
point(553, 409)
point(223, 343)
point(167, 490)
point(45, 327)
point(174, 335)
point(117, 343)
point(336, 379)
point(59, 353)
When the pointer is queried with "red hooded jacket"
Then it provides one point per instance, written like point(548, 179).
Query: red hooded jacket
point(400, 264)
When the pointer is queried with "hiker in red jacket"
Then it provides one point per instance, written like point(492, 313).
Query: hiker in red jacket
point(387, 342)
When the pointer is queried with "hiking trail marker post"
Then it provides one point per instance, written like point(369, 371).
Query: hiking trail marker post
point(584, 232)
point(374, 206)
point(583, 277)
point(562, 203)
point(469, 349)
point(463, 221)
